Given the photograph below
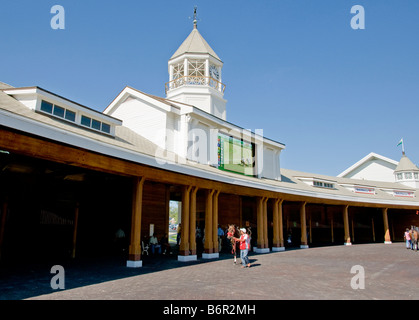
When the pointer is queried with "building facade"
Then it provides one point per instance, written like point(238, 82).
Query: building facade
point(72, 175)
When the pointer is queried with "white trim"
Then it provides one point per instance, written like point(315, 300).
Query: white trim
point(304, 246)
point(187, 258)
point(261, 250)
point(134, 264)
point(210, 255)
point(278, 249)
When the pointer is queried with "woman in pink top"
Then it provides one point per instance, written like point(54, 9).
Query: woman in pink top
point(407, 238)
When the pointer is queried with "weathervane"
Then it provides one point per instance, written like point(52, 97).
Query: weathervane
point(195, 20)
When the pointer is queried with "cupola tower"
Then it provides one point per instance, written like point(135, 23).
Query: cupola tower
point(195, 75)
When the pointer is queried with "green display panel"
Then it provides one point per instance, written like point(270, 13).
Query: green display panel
point(235, 155)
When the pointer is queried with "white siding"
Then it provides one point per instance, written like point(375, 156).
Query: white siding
point(145, 119)
point(376, 170)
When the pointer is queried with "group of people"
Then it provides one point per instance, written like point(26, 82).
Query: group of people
point(161, 246)
point(244, 241)
point(411, 238)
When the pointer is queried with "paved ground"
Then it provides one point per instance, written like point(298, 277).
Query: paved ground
point(391, 272)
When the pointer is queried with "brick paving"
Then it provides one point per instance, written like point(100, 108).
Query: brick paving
point(391, 272)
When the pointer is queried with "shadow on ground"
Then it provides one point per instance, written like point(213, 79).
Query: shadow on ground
point(24, 280)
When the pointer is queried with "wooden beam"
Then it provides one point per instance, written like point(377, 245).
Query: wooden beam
point(208, 244)
point(192, 221)
point(184, 242)
point(261, 238)
point(346, 226)
point(134, 254)
point(265, 222)
point(303, 225)
point(215, 221)
point(387, 237)
point(4, 209)
point(75, 227)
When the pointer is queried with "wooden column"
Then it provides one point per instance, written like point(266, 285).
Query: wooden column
point(184, 236)
point(275, 218)
point(208, 244)
point(372, 229)
point(262, 225)
point(192, 221)
point(281, 225)
point(75, 227)
point(278, 232)
point(387, 238)
point(303, 223)
point(261, 238)
point(134, 254)
point(265, 223)
point(310, 229)
point(4, 209)
point(346, 226)
point(331, 226)
point(215, 221)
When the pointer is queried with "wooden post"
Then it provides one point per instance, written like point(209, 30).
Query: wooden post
point(134, 254)
point(331, 227)
point(3, 223)
point(75, 227)
point(260, 239)
point(184, 236)
point(265, 222)
point(275, 218)
point(192, 221)
point(281, 225)
point(215, 221)
point(278, 232)
point(303, 223)
point(310, 228)
point(208, 244)
point(387, 238)
point(373, 230)
point(346, 226)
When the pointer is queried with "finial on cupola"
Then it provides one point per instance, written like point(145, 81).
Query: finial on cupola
point(195, 21)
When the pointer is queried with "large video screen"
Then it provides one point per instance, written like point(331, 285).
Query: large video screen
point(235, 155)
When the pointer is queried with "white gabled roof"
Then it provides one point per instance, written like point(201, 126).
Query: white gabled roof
point(370, 157)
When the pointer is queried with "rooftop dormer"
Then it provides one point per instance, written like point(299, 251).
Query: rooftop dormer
point(62, 109)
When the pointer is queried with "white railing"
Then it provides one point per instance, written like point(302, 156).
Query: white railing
point(195, 81)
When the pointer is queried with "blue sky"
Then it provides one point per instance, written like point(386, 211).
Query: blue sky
point(294, 68)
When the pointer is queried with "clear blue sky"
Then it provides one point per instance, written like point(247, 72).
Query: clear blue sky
point(294, 68)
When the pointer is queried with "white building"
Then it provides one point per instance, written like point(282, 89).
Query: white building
point(191, 121)
point(375, 167)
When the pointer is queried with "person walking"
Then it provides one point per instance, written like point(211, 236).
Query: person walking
point(414, 238)
point(407, 238)
point(244, 247)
